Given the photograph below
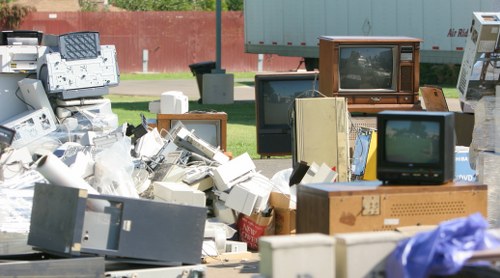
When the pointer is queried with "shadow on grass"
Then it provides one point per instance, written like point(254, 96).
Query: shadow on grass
point(240, 112)
point(246, 83)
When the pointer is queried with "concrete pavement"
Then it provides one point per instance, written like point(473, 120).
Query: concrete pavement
point(190, 88)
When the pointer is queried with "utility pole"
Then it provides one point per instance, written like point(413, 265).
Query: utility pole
point(218, 86)
point(218, 36)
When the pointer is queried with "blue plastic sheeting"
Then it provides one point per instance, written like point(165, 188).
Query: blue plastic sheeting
point(442, 251)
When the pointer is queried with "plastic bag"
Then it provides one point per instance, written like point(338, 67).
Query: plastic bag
point(442, 251)
point(113, 170)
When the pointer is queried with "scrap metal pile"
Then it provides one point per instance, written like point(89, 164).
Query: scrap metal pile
point(60, 131)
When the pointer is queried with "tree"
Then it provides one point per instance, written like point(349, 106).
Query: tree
point(12, 15)
point(176, 5)
point(234, 5)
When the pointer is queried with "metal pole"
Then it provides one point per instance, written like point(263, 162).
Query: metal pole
point(218, 15)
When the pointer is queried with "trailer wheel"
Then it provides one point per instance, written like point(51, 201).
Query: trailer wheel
point(311, 63)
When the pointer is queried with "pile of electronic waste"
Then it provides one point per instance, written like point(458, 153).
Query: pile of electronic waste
point(79, 184)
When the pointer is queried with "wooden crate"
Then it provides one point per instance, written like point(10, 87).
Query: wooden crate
point(364, 206)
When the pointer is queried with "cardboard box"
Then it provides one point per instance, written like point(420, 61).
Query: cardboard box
point(284, 216)
point(369, 206)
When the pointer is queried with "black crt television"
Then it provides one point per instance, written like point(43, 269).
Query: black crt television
point(275, 94)
point(415, 147)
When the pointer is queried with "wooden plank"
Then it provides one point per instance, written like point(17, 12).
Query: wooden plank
point(228, 256)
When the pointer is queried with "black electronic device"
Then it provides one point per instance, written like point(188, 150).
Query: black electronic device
point(141, 231)
point(415, 147)
point(20, 37)
point(6, 136)
point(75, 45)
point(275, 94)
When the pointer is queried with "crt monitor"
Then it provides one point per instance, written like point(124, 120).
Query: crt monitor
point(415, 147)
point(274, 101)
point(209, 126)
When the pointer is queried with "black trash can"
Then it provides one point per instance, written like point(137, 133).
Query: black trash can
point(198, 69)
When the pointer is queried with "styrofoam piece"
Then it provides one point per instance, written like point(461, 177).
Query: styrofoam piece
point(178, 193)
point(290, 255)
point(173, 102)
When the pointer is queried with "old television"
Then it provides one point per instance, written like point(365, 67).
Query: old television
point(274, 101)
point(415, 147)
point(209, 126)
point(373, 73)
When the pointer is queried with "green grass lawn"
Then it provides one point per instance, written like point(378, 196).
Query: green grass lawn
point(241, 133)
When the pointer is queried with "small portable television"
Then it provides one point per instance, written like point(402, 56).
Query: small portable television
point(415, 147)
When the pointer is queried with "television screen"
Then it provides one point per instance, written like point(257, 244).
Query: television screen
point(278, 98)
point(275, 95)
point(409, 141)
point(367, 67)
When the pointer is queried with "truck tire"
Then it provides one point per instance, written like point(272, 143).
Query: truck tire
point(311, 63)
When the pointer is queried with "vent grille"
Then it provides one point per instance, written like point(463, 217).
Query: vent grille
point(406, 79)
point(359, 122)
point(428, 208)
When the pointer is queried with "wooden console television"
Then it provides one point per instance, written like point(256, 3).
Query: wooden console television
point(333, 208)
point(373, 73)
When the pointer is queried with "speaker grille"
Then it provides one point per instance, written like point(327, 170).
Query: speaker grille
point(407, 79)
point(428, 208)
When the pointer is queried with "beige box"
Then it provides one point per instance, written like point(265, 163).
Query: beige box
point(307, 255)
point(370, 248)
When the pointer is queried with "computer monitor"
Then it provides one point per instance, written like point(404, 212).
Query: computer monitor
point(211, 127)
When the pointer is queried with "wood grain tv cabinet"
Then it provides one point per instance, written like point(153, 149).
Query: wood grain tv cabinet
point(216, 119)
point(332, 208)
point(373, 73)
